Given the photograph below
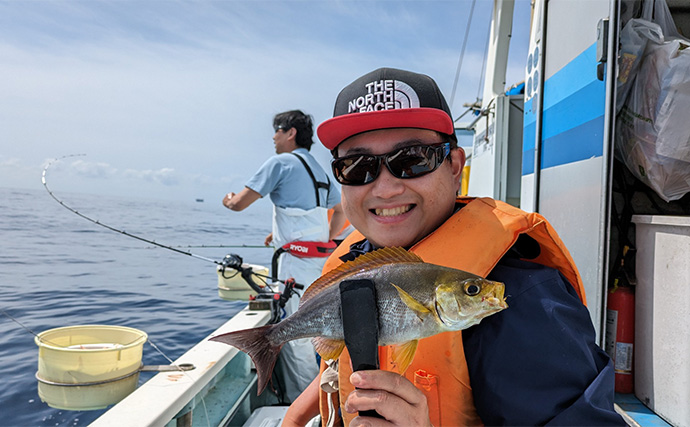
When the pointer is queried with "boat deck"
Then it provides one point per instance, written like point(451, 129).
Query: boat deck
point(635, 413)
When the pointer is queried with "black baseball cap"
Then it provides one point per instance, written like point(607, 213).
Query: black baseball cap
point(383, 99)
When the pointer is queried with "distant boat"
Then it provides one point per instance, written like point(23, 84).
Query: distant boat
point(200, 200)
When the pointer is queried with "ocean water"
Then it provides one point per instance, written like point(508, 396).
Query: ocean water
point(57, 269)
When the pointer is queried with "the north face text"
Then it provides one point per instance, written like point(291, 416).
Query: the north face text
point(384, 95)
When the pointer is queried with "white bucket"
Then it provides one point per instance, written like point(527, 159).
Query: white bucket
point(232, 287)
point(88, 367)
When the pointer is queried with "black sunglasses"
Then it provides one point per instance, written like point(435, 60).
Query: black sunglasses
point(404, 163)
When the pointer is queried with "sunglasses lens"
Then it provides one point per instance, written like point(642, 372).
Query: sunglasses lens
point(411, 162)
point(356, 170)
point(407, 162)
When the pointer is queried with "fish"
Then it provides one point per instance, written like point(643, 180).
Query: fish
point(414, 299)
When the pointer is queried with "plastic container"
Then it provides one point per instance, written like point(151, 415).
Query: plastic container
point(231, 285)
point(662, 316)
point(267, 416)
point(88, 366)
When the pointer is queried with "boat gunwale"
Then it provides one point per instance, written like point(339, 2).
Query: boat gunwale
point(161, 398)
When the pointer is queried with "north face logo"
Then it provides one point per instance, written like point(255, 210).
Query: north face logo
point(384, 95)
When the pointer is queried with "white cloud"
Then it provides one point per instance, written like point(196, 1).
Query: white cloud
point(9, 162)
point(164, 176)
point(182, 94)
point(92, 170)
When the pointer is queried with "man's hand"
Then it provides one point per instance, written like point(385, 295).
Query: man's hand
point(239, 201)
point(393, 396)
point(227, 198)
point(269, 239)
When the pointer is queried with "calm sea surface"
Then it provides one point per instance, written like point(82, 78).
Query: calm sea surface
point(57, 269)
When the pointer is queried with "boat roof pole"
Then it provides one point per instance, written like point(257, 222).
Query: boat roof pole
point(499, 44)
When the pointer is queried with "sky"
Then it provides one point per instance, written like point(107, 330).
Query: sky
point(174, 100)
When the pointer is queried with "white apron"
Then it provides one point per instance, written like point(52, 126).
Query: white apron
point(290, 225)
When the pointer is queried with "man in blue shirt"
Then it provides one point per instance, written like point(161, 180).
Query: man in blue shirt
point(302, 193)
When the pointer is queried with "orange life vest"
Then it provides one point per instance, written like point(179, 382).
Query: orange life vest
point(474, 239)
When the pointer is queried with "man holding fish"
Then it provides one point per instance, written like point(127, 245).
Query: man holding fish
point(535, 362)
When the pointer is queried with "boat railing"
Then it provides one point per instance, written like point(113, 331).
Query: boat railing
point(187, 398)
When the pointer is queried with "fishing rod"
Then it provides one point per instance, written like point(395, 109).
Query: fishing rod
point(221, 246)
point(227, 262)
point(97, 222)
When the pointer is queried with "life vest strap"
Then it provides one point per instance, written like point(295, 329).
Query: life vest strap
point(310, 249)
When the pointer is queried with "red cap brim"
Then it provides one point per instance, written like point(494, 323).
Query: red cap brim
point(334, 131)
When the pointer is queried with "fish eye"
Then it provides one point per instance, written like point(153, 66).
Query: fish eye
point(472, 289)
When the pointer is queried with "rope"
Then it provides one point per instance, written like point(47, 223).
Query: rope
point(486, 54)
point(462, 53)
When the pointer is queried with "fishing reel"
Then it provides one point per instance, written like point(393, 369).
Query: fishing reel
point(265, 298)
point(233, 261)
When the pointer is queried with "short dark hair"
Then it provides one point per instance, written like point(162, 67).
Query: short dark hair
point(302, 124)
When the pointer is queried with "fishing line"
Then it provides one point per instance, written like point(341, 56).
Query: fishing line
point(12, 318)
point(42, 340)
point(184, 372)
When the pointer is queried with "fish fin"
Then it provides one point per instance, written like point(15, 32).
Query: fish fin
point(417, 307)
point(377, 258)
point(328, 348)
point(403, 354)
point(255, 343)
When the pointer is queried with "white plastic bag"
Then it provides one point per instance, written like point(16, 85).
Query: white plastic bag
point(634, 37)
point(653, 124)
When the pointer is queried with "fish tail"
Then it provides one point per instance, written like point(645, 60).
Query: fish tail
point(255, 343)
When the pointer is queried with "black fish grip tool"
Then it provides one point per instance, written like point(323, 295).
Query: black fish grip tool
point(361, 326)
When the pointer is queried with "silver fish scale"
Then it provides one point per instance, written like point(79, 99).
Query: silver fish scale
point(321, 315)
point(397, 322)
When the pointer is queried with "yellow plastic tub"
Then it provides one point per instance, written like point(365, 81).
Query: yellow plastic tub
point(231, 285)
point(89, 366)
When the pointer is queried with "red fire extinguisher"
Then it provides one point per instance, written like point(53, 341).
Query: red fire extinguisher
point(620, 334)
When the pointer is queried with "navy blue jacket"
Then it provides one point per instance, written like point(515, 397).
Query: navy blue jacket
point(536, 363)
